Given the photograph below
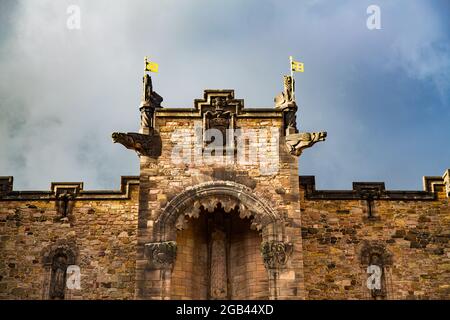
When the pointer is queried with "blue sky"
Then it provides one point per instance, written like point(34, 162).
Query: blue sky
point(382, 95)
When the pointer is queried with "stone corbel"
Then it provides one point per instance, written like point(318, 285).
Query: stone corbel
point(161, 255)
point(144, 144)
point(276, 253)
point(297, 142)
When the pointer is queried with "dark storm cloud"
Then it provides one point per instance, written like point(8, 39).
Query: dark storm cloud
point(382, 95)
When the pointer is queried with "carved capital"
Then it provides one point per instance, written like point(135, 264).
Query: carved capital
point(297, 142)
point(161, 255)
point(275, 253)
point(144, 144)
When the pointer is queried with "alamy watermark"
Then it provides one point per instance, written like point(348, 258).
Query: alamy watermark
point(73, 281)
point(374, 20)
point(374, 280)
point(74, 19)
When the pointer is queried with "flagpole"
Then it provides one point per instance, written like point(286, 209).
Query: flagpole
point(292, 78)
point(145, 63)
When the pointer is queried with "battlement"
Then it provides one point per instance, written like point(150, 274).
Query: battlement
point(360, 191)
point(432, 185)
point(74, 189)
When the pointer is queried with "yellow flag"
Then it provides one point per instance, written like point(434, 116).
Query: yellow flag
point(297, 66)
point(151, 66)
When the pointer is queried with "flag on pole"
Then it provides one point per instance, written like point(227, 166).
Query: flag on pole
point(150, 66)
point(297, 66)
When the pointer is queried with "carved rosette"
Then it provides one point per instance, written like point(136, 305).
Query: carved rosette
point(276, 253)
point(161, 255)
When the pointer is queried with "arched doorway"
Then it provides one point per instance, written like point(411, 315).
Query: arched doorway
point(211, 209)
point(219, 257)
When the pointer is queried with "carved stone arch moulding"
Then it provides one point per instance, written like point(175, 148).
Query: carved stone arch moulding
point(375, 253)
point(62, 247)
point(56, 258)
point(230, 195)
point(368, 250)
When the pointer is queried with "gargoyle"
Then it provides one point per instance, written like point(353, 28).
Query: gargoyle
point(298, 141)
point(143, 144)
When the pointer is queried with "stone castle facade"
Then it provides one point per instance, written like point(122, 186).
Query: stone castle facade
point(219, 211)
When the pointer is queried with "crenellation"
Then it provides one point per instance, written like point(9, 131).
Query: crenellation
point(193, 226)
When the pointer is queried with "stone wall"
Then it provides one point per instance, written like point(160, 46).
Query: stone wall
point(162, 181)
point(100, 230)
point(149, 240)
point(414, 232)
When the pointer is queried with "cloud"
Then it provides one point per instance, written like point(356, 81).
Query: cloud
point(62, 92)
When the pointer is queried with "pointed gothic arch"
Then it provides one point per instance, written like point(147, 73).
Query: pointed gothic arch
point(275, 248)
point(230, 195)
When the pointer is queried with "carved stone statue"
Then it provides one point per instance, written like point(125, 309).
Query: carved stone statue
point(143, 144)
point(161, 254)
point(297, 142)
point(380, 293)
point(219, 119)
point(58, 277)
point(275, 253)
point(286, 98)
point(285, 101)
point(65, 203)
point(150, 97)
point(218, 280)
point(376, 254)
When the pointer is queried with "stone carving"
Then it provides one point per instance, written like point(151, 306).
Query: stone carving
point(144, 145)
point(275, 253)
point(370, 194)
point(375, 249)
point(250, 205)
point(150, 101)
point(161, 255)
point(285, 101)
point(147, 117)
point(64, 203)
point(6, 185)
point(58, 277)
point(376, 254)
point(149, 97)
point(297, 142)
point(63, 247)
point(218, 275)
point(222, 99)
point(286, 98)
point(219, 119)
point(57, 257)
point(147, 142)
point(210, 204)
point(219, 110)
